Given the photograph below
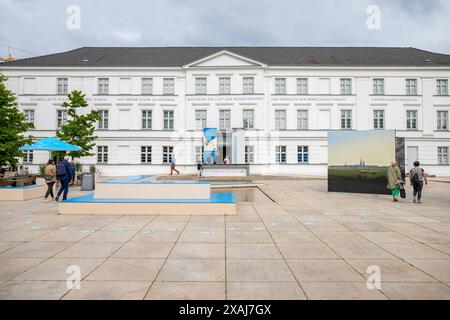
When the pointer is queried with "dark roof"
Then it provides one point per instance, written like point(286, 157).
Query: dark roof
point(272, 56)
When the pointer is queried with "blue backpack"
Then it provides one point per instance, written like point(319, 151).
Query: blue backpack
point(61, 169)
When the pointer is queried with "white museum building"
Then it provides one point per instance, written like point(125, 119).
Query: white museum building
point(155, 102)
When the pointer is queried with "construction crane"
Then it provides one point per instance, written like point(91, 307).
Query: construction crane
point(10, 57)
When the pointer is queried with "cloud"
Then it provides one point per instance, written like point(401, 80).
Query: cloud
point(131, 38)
point(40, 26)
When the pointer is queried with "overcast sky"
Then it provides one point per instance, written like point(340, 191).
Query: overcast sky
point(40, 26)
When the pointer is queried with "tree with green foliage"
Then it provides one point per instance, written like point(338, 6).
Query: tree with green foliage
point(79, 129)
point(13, 125)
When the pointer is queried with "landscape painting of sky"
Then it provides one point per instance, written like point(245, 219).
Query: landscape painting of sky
point(374, 147)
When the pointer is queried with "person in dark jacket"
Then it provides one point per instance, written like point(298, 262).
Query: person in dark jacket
point(64, 174)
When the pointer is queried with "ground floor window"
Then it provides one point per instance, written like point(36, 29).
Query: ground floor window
point(146, 154)
point(167, 154)
point(102, 154)
point(443, 155)
point(302, 154)
point(280, 154)
point(249, 154)
point(28, 156)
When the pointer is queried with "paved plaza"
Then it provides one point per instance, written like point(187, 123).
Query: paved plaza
point(308, 244)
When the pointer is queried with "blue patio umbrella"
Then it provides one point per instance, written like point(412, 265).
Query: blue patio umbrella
point(50, 144)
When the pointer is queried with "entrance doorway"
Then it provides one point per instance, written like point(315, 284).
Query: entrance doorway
point(412, 154)
point(224, 144)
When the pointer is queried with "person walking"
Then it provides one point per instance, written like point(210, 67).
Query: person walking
point(417, 177)
point(173, 163)
point(63, 174)
point(394, 180)
point(73, 170)
point(199, 167)
point(50, 178)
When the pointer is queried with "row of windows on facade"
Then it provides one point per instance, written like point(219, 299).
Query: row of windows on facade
point(248, 86)
point(280, 154)
point(248, 119)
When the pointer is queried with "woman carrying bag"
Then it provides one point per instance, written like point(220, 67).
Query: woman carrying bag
point(394, 180)
point(50, 178)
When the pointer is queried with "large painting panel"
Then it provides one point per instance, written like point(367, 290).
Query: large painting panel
point(358, 160)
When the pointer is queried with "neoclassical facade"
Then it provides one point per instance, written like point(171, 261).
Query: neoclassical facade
point(155, 102)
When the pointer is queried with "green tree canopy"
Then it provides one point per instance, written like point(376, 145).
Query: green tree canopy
point(13, 125)
point(80, 127)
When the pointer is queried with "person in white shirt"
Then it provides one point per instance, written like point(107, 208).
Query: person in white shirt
point(172, 165)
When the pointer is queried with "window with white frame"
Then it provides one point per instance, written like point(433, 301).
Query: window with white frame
point(248, 118)
point(200, 119)
point(442, 120)
point(378, 86)
point(442, 87)
point(378, 119)
point(147, 119)
point(280, 86)
point(103, 85)
point(302, 85)
point(28, 156)
point(29, 116)
point(280, 119)
point(102, 154)
point(280, 154)
point(346, 119)
point(346, 86)
point(302, 119)
point(168, 86)
point(224, 119)
point(443, 155)
point(167, 154)
point(411, 119)
point(103, 123)
point(224, 85)
point(168, 119)
point(249, 154)
point(61, 118)
point(146, 154)
point(147, 86)
point(302, 154)
point(200, 85)
point(248, 84)
point(62, 85)
point(411, 87)
point(199, 154)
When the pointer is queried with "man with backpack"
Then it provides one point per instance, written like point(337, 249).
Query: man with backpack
point(64, 174)
point(417, 176)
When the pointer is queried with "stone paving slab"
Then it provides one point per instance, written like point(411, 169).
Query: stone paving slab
point(308, 244)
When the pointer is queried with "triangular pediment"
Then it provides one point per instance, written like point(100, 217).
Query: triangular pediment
point(224, 59)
